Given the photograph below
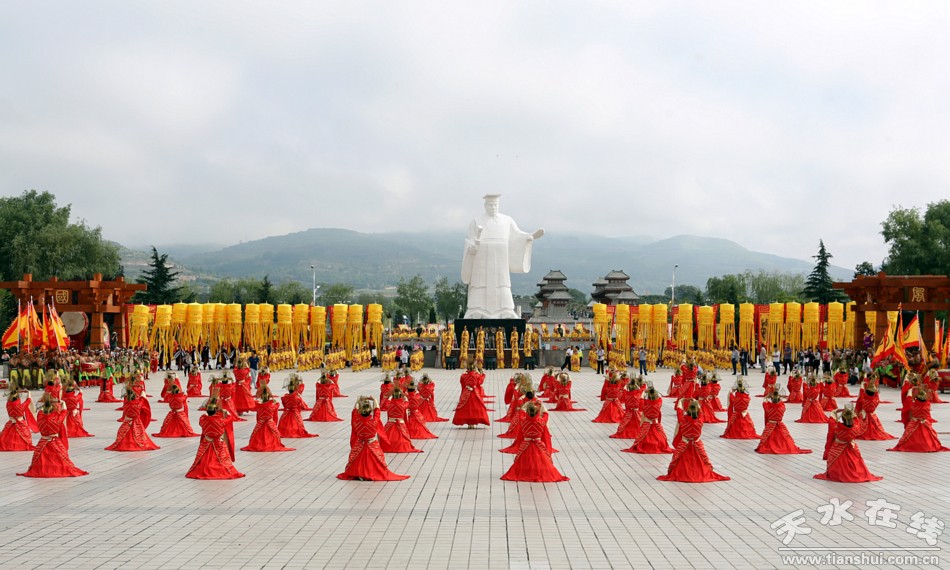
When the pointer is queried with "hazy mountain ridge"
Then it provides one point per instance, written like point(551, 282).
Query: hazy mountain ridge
point(379, 260)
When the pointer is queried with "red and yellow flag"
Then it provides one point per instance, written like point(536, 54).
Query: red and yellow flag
point(913, 338)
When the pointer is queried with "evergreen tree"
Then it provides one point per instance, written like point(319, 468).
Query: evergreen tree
point(818, 284)
point(160, 280)
point(266, 293)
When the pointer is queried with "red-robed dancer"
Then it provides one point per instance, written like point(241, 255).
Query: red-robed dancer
point(564, 401)
point(72, 399)
point(51, 456)
point(845, 464)
point(652, 438)
point(676, 381)
point(106, 394)
point(690, 463)
point(811, 407)
point(770, 382)
point(323, 409)
point(933, 384)
point(714, 388)
point(868, 401)
point(516, 409)
point(517, 421)
point(911, 381)
point(385, 390)
point(291, 422)
point(689, 371)
point(243, 397)
point(533, 460)
point(514, 394)
point(397, 434)
point(263, 379)
point(334, 376)
point(176, 423)
point(131, 435)
point(300, 389)
point(776, 438)
point(548, 387)
point(194, 386)
point(16, 434)
point(136, 384)
point(471, 410)
point(266, 436)
point(215, 456)
point(629, 427)
point(919, 434)
point(171, 379)
point(794, 385)
point(415, 423)
point(704, 398)
point(225, 393)
point(427, 392)
point(739, 424)
point(366, 461)
point(841, 382)
point(828, 391)
point(611, 412)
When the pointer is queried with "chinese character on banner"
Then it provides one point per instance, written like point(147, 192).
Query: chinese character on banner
point(62, 297)
point(834, 511)
point(881, 513)
point(790, 525)
point(926, 528)
point(917, 295)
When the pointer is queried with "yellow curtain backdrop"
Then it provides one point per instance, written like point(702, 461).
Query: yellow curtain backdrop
point(374, 325)
point(354, 330)
point(162, 340)
point(208, 311)
point(219, 330)
point(644, 321)
point(601, 324)
point(266, 325)
point(318, 328)
point(850, 331)
point(285, 327)
point(747, 326)
point(338, 325)
point(232, 327)
point(139, 321)
point(793, 326)
point(622, 328)
point(191, 331)
point(776, 326)
point(811, 325)
point(706, 333)
point(301, 319)
point(658, 327)
point(835, 325)
point(683, 327)
point(179, 316)
point(727, 325)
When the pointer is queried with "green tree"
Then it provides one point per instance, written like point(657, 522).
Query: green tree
point(686, 294)
point(818, 284)
point(292, 292)
point(918, 245)
point(726, 289)
point(413, 298)
point(160, 280)
point(241, 291)
point(864, 268)
point(37, 237)
point(450, 300)
point(265, 293)
point(337, 293)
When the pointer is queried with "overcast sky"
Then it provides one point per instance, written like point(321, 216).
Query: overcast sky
point(772, 124)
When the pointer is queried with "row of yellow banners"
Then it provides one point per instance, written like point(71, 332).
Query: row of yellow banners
point(254, 326)
point(796, 324)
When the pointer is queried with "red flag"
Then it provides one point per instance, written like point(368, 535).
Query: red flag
point(886, 348)
point(55, 330)
point(913, 338)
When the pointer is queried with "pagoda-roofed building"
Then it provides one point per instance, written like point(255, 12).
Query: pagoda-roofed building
point(553, 294)
point(613, 289)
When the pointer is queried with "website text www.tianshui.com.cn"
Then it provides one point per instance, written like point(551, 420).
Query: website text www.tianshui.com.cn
point(860, 559)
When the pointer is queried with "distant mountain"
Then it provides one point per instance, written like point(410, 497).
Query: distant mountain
point(377, 261)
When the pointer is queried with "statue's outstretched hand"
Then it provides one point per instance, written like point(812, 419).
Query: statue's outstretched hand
point(538, 233)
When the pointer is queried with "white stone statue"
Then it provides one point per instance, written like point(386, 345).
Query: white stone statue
point(493, 248)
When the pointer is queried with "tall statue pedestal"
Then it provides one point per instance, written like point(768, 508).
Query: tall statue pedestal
point(488, 324)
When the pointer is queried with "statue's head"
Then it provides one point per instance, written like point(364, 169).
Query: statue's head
point(491, 203)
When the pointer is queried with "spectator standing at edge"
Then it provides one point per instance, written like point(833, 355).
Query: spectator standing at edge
point(253, 363)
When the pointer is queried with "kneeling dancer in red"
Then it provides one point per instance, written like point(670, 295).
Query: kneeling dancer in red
point(690, 463)
point(366, 461)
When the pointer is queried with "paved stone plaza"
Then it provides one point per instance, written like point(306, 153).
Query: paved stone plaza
point(138, 509)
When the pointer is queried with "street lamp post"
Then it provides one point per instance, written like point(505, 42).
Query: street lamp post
point(673, 288)
point(313, 270)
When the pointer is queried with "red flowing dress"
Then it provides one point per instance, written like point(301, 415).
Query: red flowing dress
point(514, 401)
point(385, 390)
point(51, 456)
point(769, 384)
point(176, 423)
point(676, 380)
point(548, 388)
point(397, 434)
point(266, 436)
point(811, 407)
point(611, 412)
point(74, 423)
point(226, 392)
point(105, 391)
point(794, 386)
point(828, 392)
point(516, 414)
point(16, 434)
point(167, 387)
point(533, 460)
point(841, 380)
point(428, 409)
point(689, 385)
point(366, 461)
point(194, 385)
point(243, 398)
point(845, 464)
point(336, 386)
point(291, 421)
point(131, 435)
point(564, 401)
point(919, 435)
point(629, 427)
point(690, 463)
point(714, 389)
point(652, 438)
point(706, 405)
point(213, 460)
point(875, 429)
point(300, 389)
point(471, 408)
point(739, 425)
point(323, 408)
point(510, 391)
point(776, 439)
point(415, 423)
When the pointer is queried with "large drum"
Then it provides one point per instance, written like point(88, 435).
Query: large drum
point(75, 323)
